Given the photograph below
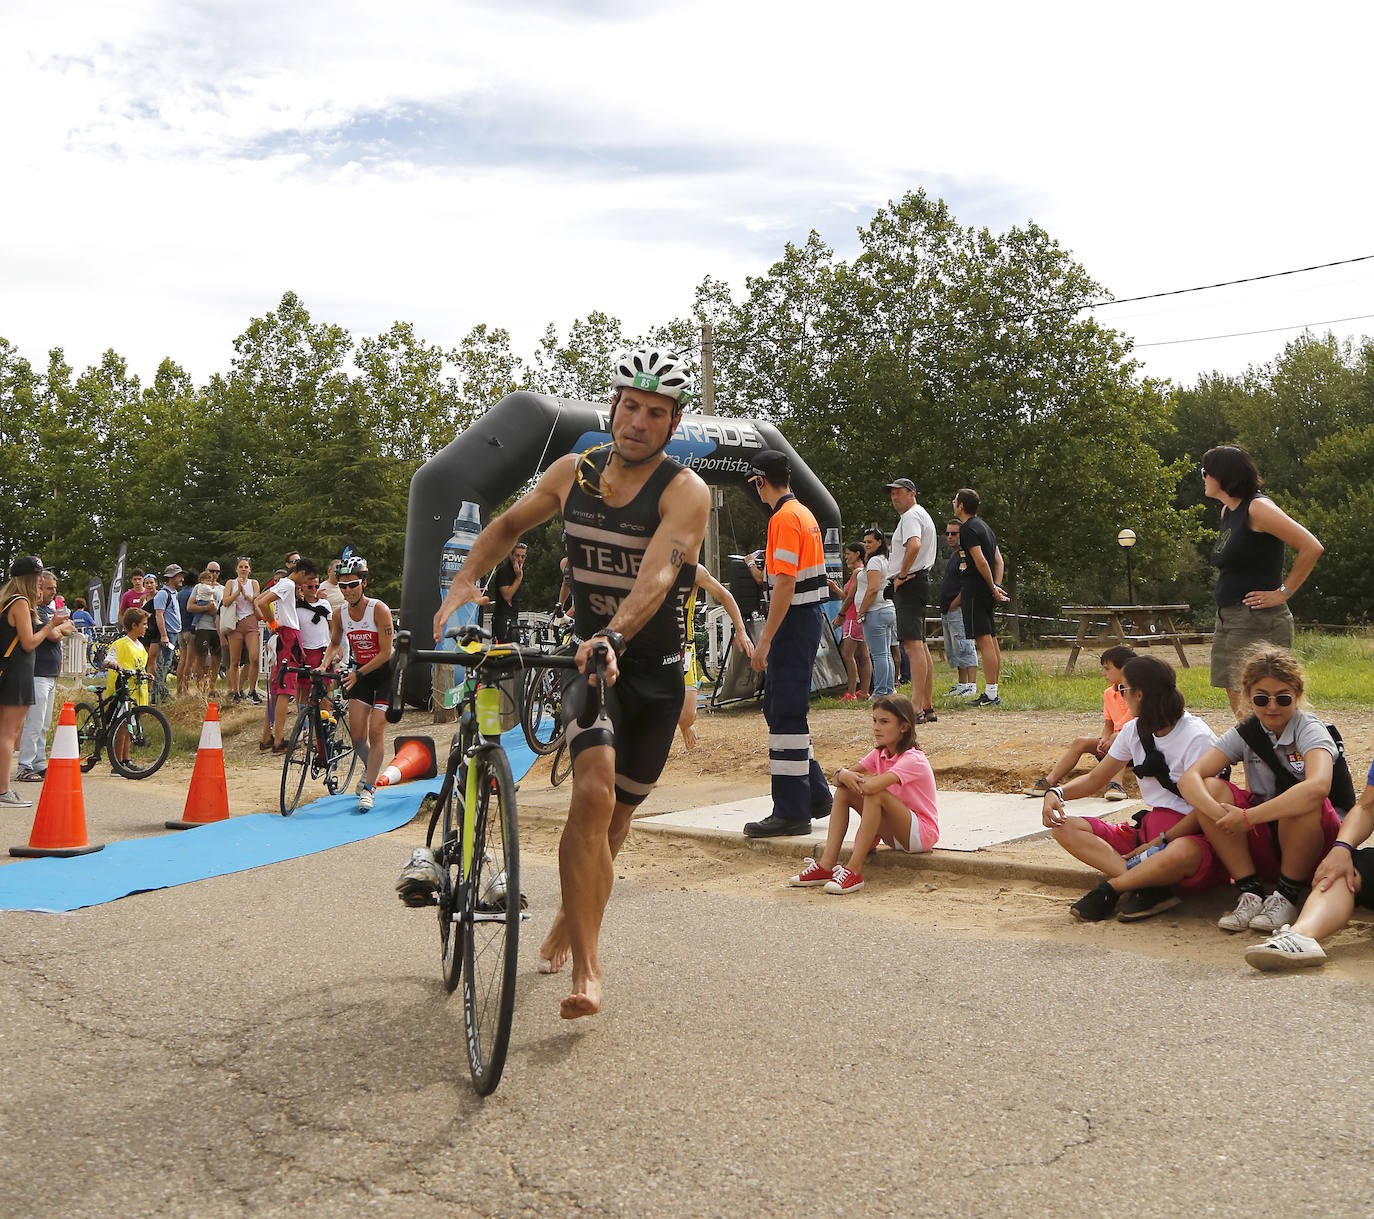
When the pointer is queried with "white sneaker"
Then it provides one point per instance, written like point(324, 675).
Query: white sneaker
point(1115, 791)
point(365, 797)
point(1288, 949)
point(12, 799)
point(1276, 912)
point(967, 690)
point(420, 879)
point(1243, 915)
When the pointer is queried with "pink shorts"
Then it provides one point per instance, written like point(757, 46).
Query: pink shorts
point(1263, 839)
point(1124, 839)
point(247, 627)
point(289, 652)
point(850, 628)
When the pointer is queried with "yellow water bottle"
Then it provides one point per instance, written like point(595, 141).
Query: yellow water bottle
point(489, 710)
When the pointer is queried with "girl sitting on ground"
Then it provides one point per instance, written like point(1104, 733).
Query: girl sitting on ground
point(1161, 741)
point(1342, 881)
point(893, 791)
point(1302, 822)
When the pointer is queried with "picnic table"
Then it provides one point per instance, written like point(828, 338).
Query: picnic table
point(1133, 625)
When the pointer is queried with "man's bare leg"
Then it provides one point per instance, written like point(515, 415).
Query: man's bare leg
point(585, 870)
point(557, 947)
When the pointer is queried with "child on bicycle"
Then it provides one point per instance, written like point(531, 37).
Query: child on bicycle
point(1114, 716)
point(893, 791)
point(129, 653)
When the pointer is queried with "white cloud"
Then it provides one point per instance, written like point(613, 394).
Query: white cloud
point(179, 166)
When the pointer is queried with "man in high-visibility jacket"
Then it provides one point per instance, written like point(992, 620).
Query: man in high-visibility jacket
point(795, 564)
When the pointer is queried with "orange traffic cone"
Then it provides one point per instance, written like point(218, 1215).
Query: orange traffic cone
point(208, 799)
point(59, 828)
point(415, 759)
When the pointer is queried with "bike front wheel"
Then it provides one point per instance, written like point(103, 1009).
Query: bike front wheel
point(296, 764)
point(541, 717)
point(448, 853)
point(490, 905)
point(144, 738)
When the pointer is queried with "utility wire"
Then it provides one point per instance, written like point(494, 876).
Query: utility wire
point(1240, 334)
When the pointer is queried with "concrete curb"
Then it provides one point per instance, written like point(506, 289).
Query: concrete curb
point(984, 864)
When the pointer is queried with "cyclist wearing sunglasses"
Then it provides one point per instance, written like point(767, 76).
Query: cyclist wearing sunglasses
point(634, 520)
point(1285, 824)
point(368, 626)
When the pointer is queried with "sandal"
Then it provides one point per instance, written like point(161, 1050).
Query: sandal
point(282, 748)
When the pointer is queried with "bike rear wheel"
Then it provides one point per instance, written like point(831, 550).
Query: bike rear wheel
point(343, 759)
point(87, 735)
point(149, 741)
point(562, 764)
point(491, 920)
point(541, 717)
point(296, 764)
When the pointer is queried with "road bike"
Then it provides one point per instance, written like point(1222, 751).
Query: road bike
point(319, 747)
point(475, 839)
point(136, 736)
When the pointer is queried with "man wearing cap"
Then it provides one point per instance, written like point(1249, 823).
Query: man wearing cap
point(166, 612)
point(795, 564)
point(909, 560)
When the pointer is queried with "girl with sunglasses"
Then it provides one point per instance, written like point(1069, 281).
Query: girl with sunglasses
point(1267, 833)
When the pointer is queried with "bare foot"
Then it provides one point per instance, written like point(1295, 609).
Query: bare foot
point(689, 737)
point(584, 1001)
point(556, 948)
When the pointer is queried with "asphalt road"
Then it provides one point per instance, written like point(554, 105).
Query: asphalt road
point(279, 1042)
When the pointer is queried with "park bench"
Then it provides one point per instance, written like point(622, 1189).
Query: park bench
point(1148, 625)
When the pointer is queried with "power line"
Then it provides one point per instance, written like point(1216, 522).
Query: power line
point(1240, 334)
point(1229, 283)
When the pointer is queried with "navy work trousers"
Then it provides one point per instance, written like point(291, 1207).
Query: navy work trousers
point(798, 781)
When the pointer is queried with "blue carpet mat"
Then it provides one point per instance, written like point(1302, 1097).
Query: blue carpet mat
point(135, 866)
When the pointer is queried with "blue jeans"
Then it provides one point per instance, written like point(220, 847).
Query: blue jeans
point(880, 633)
point(959, 648)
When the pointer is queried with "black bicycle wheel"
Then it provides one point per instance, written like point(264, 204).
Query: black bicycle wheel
point(149, 741)
point(87, 735)
point(343, 759)
point(562, 764)
point(541, 717)
point(295, 766)
point(491, 921)
point(448, 854)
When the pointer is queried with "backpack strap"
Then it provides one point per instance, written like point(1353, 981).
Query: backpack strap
point(1254, 735)
point(1155, 766)
point(4, 612)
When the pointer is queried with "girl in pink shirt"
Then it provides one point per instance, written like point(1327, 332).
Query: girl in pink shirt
point(892, 790)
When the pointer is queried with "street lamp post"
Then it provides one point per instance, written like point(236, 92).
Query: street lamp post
point(1126, 539)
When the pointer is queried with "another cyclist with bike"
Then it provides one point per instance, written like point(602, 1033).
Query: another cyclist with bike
point(367, 623)
point(634, 521)
point(128, 653)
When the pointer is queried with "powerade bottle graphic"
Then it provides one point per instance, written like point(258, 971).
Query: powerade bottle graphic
point(465, 531)
point(834, 568)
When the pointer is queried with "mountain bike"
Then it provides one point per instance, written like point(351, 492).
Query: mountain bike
point(320, 747)
point(136, 736)
point(541, 702)
point(475, 839)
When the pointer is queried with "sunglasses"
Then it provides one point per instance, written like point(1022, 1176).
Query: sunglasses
point(350, 584)
point(1122, 687)
point(1262, 700)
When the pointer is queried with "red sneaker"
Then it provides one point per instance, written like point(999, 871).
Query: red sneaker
point(844, 881)
point(811, 876)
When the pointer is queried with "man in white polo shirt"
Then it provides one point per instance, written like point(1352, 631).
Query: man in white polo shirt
point(910, 558)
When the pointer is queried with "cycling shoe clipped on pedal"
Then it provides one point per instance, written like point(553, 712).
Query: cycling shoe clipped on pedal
point(421, 880)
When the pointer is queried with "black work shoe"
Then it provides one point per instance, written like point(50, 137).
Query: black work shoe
point(774, 826)
point(1144, 902)
point(1096, 905)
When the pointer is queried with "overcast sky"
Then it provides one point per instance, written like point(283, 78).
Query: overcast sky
point(171, 168)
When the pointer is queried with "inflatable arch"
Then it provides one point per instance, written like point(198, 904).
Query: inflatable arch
point(519, 438)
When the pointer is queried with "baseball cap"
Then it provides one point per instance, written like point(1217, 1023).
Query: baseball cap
point(904, 484)
point(27, 565)
point(771, 464)
point(172, 569)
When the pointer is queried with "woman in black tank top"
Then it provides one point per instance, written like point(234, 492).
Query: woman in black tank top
point(1251, 592)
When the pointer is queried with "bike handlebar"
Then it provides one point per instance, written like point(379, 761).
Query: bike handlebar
point(307, 671)
point(500, 657)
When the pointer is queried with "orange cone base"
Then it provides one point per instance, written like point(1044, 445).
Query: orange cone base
point(187, 825)
point(56, 852)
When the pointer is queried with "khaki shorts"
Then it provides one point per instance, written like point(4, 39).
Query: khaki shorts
point(1239, 629)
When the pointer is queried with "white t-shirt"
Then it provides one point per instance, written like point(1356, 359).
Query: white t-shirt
point(914, 522)
point(315, 627)
point(1183, 745)
point(285, 604)
point(214, 594)
point(873, 574)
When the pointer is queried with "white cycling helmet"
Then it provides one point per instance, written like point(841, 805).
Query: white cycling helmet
point(354, 565)
point(656, 369)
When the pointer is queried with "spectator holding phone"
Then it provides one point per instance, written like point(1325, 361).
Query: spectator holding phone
point(47, 665)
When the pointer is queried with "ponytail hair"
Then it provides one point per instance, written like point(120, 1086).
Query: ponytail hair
point(1161, 701)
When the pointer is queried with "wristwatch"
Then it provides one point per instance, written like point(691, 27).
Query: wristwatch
point(614, 638)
